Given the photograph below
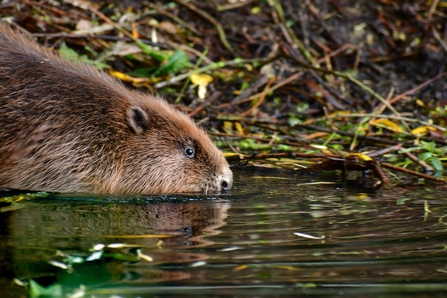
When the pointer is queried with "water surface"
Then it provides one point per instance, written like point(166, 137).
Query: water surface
point(276, 234)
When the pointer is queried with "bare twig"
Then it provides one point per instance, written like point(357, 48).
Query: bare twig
point(160, 9)
point(103, 37)
point(422, 163)
point(432, 9)
point(413, 173)
point(213, 21)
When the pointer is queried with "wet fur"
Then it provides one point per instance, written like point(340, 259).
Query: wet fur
point(70, 128)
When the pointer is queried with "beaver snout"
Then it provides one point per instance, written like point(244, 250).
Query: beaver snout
point(225, 180)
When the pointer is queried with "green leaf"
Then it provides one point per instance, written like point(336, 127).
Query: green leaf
point(424, 156)
point(401, 201)
point(157, 55)
point(429, 146)
point(70, 54)
point(99, 65)
point(351, 72)
point(436, 163)
point(176, 63)
point(302, 108)
point(36, 290)
point(67, 53)
point(244, 86)
point(144, 72)
point(294, 120)
point(123, 257)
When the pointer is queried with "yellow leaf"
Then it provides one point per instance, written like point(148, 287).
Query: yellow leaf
point(241, 267)
point(119, 75)
point(256, 10)
point(124, 77)
point(239, 128)
point(135, 31)
point(361, 196)
point(230, 154)
point(339, 113)
point(422, 130)
point(359, 155)
point(228, 127)
point(388, 124)
point(201, 79)
point(291, 268)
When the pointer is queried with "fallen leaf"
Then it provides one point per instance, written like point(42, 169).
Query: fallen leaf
point(388, 124)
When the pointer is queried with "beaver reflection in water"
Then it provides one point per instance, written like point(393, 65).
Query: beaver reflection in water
point(67, 127)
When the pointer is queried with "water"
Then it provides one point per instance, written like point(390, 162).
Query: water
point(277, 234)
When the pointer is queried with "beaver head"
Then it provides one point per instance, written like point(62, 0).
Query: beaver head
point(170, 152)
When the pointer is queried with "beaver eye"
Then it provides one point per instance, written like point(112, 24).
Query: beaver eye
point(189, 151)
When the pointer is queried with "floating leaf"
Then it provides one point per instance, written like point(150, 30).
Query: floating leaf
point(59, 264)
point(12, 207)
point(36, 290)
point(95, 256)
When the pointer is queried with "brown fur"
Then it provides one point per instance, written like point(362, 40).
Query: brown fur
point(67, 127)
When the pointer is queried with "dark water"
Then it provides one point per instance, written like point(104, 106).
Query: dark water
point(277, 234)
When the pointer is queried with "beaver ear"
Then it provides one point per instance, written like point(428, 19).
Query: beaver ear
point(137, 119)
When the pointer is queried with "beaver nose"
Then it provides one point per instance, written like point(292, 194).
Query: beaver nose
point(224, 185)
point(226, 180)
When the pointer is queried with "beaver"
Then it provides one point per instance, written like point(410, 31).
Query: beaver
point(67, 127)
